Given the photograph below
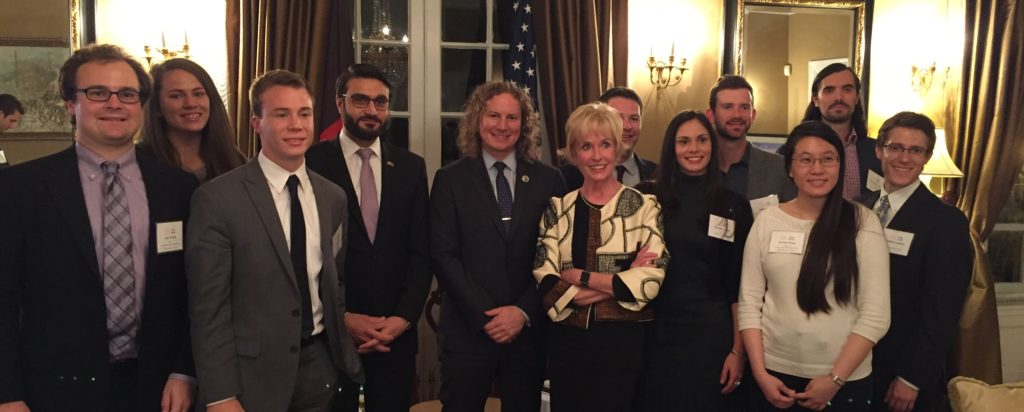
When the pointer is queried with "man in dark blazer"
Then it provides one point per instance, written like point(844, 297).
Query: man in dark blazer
point(835, 100)
point(387, 264)
point(485, 213)
point(632, 169)
point(931, 260)
point(265, 295)
point(92, 285)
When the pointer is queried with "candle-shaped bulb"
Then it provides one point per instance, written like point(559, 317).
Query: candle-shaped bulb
point(163, 40)
point(673, 49)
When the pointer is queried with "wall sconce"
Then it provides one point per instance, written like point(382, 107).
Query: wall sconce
point(921, 78)
point(166, 53)
point(940, 164)
point(665, 74)
point(787, 70)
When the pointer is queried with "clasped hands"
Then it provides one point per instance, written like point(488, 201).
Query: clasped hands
point(817, 395)
point(374, 333)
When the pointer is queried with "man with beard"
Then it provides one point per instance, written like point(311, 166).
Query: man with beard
point(387, 266)
point(835, 100)
point(748, 170)
point(631, 168)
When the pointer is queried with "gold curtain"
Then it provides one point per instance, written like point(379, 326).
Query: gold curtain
point(272, 34)
point(575, 39)
point(988, 144)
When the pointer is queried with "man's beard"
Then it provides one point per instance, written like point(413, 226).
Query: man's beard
point(353, 128)
point(723, 131)
point(826, 116)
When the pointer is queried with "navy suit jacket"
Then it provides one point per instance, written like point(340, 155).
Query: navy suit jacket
point(928, 288)
point(53, 333)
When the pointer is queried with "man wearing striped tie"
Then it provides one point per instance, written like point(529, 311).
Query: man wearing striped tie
point(92, 283)
point(930, 257)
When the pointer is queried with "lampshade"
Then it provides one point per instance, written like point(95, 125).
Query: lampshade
point(940, 164)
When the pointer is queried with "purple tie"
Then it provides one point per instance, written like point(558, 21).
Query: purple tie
point(368, 194)
point(118, 268)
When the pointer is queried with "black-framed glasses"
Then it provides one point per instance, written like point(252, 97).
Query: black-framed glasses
point(896, 148)
point(102, 94)
point(360, 101)
point(808, 161)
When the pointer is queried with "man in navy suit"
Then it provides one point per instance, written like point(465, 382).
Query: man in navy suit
point(387, 264)
point(485, 212)
point(930, 261)
point(93, 313)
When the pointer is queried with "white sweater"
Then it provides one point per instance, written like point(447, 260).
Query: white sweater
point(795, 343)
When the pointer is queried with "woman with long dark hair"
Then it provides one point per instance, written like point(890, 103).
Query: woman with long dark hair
point(186, 124)
point(695, 356)
point(814, 294)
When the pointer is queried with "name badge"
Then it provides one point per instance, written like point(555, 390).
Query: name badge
point(787, 242)
point(899, 241)
point(169, 237)
point(875, 181)
point(722, 228)
point(336, 241)
point(757, 205)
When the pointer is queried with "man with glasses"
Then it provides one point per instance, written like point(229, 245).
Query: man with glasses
point(92, 286)
point(930, 257)
point(387, 266)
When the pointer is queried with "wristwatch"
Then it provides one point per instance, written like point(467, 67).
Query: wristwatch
point(585, 279)
point(838, 381)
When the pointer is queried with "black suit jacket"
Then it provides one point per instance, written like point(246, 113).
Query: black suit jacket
point(53, 333)
point(574, 179)
point(390, 277)
point(478, 264)
point(868, 161)
point(928, 287)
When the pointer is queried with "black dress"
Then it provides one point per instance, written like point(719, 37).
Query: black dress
point(693, 329)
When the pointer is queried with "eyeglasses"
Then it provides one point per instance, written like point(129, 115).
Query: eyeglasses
point(102, 94)
point(808, 161)
point(360, 101)
point(896, 148)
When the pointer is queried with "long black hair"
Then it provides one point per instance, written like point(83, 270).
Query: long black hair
point(669, 173)
point(831, 253)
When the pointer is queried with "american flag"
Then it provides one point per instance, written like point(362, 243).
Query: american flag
point(520, 58)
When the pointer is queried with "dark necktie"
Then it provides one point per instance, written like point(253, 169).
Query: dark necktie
point(504, 195)
point(118, 267)
point(368, 194)
point(883, 210)
point(298, 250)
point(620, 171)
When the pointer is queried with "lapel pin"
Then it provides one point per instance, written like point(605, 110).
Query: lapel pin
point(526, 179)
point(390, 163)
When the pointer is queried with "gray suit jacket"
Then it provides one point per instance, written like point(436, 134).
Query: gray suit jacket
point(768, 176)
point(243, 298)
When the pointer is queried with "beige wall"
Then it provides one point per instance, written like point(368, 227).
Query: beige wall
point(829, 34)
point(767, 43)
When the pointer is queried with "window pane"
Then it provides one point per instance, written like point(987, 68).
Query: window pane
point(1013, 212)
point(398, 134)
point(461, 72)
point(449, 136)
point(463, 21)
point(384, 19)
point(1005, 249)
point(394, 60)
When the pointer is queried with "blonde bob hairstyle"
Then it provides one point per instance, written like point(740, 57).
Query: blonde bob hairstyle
point(592, 118)
point(475, 109)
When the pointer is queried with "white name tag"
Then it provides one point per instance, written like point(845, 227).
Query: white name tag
point(169, 237)
point(757, 205)
point(336, 242)
point(875, 181)
point(787, 242)
point(899, 241)
point(722, 228)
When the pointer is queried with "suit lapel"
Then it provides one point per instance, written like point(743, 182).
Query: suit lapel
point(324, 214)
point(65, 185)
point(340, 171)
point(911, 208)
point(389, 172)
point(524, 190)
point(259, 193)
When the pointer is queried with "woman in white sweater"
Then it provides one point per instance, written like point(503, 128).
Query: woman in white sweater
point(814, 292)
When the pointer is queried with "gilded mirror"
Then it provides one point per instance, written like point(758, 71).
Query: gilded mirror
point(780, 45)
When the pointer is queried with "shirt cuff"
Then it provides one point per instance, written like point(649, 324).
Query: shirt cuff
point(906, 382)
point(183, 377)
point(221, 401)
point(524, 315)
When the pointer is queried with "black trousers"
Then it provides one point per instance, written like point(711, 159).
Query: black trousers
point(855, 396)
point(517, 368)
point(388, 385)
point(124, 386)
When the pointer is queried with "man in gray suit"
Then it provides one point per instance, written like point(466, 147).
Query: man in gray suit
point(265, 295)
point(749, 171)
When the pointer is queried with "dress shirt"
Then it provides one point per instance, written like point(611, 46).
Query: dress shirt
point(851, 181)
point(632, 176)
point(355, 163)
point(738, 175)
point(897, 198)
point(509, 172)
point(277, 179)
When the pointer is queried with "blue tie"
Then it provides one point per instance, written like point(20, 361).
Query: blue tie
point(504, 195)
